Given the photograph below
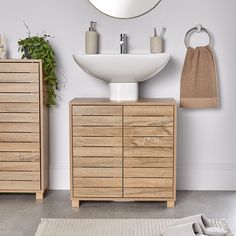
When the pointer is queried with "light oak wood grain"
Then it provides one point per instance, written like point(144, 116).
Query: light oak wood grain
point(97, 120)
point(148, 142)
point(97, 141)
point(148, 182)
point(23, 127)
point(19, 88)
point(141, 167)
point(19, 107)
point(19, 166)
point(97, 110)
point(97, 151)
point(19, 67)
point(19, 117)
point(148, 162)
point(148, 121)
point(97, 172)
point(93, 131)
point(97, 162)
point(20, 185)
point(21, 147)
point(149, 131)
point(148, 110)
point(97, 182)
point(97, 192)
point(148, 192)
point(148, 172)
point(148, 152)
point(19, 127)
point(16, 175)
point(19, 77)
point(19, 97)
point(19, 137)
point(20, 156)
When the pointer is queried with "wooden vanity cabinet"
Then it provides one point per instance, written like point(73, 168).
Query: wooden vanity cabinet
point(123, 151)
point(23, 128)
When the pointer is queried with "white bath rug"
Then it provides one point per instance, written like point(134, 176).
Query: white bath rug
point(110, 227)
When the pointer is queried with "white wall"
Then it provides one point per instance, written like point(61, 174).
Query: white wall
point(206, 138)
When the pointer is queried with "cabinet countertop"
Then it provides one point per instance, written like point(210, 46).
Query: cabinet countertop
point(105, 101)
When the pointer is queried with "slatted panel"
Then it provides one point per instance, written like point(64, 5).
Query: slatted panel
point(148, 151)
point(97, 120)
point(97, 151)
point(97, 192)
point(148, 121)
point(19, 87)
point(97, 182)
point(148, 172)
point(19, 97)
point(20, 166)
point(14, 175)
point(20, 156)
point(19, 107)
point(148, 111)
point(97, 162)
point(20, 185)
point(98, 172)
point(149, 131)
point(19, 126)
point(148, 192)
point(81, 131)
point(148, 141)
point(19, 117)
point(97, 141)
point(148, 162)
point(19, 77)
point(148, 183)
point(11, 67)
point(19, 137)
point(97, 111)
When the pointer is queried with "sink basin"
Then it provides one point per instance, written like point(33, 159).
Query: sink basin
point(123, 71)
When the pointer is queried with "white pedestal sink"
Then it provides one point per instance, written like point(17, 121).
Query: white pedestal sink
point(123, 71)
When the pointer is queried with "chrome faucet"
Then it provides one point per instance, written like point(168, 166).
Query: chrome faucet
point(123, 44)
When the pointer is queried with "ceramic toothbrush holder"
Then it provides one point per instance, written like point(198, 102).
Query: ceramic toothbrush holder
point(156, 45)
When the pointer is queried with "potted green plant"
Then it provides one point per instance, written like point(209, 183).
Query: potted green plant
point(38, 47)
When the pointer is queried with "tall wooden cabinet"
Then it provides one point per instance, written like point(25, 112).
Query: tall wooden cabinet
point(123, 151)
point(23, 128)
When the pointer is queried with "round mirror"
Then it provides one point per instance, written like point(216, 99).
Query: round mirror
point(124, 8)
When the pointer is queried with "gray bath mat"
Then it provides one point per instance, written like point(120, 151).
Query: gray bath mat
point(110, 227)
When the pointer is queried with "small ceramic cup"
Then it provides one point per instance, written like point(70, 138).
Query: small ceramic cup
point(156, 45)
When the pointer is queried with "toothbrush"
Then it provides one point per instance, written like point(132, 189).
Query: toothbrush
point(162, 32)
point(155, 32)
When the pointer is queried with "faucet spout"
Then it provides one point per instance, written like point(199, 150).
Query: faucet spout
point(123, 43)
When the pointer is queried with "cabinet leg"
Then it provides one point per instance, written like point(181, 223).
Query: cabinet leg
point(39, 196)
point(170, 204)
point(75, 203)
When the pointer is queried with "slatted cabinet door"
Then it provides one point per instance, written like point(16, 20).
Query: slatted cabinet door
point(149, 152)
point(20, 126)
point(97, 151)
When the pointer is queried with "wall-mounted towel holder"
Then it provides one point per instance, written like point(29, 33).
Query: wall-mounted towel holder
point(197, 29)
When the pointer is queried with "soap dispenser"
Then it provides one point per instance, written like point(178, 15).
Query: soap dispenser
point(91, 39)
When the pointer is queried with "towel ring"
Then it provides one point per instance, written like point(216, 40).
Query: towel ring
point(197, 29)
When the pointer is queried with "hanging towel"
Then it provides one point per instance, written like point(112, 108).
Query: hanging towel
point(199, 86)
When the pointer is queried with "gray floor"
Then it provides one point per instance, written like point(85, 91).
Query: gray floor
point(20, 214)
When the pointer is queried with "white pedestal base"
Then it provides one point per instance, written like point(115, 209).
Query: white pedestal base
point(123, 91)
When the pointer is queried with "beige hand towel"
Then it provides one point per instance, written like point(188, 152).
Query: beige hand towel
point(199, 85)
